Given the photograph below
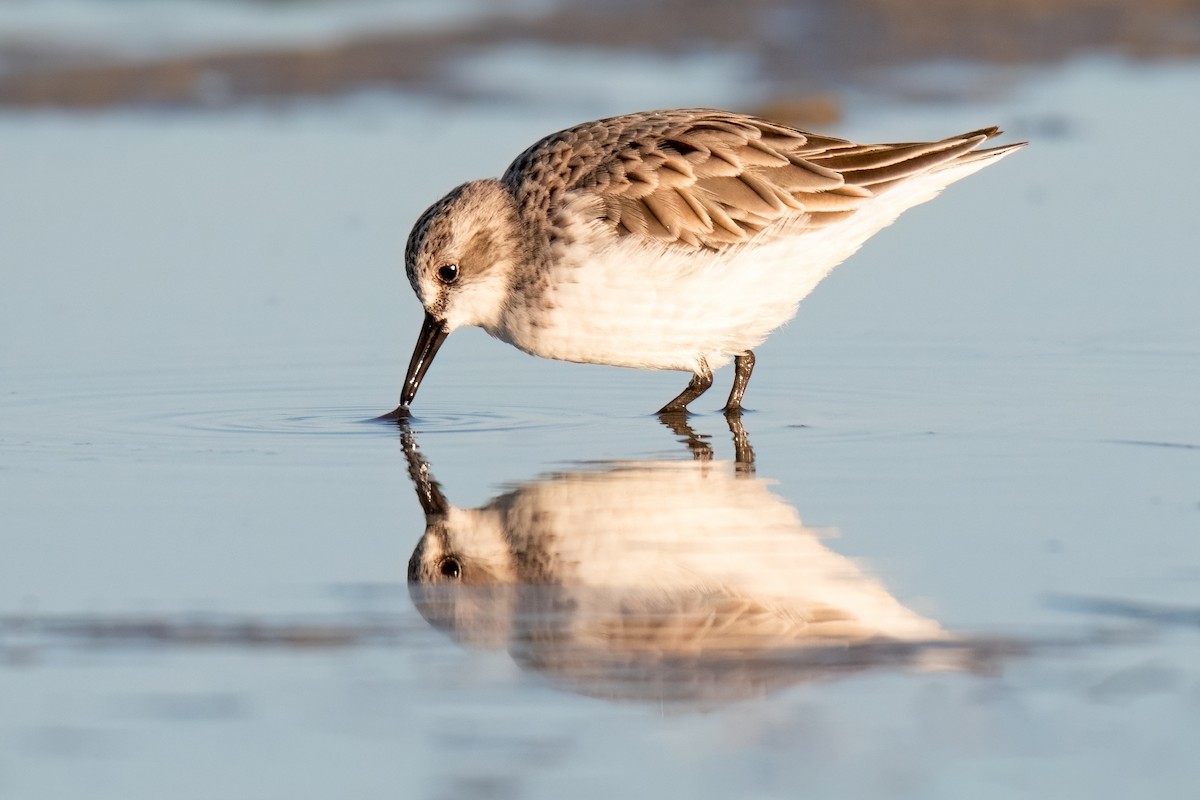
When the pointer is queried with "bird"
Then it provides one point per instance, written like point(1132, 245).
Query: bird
point(671, 240)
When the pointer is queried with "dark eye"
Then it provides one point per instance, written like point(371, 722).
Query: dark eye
point(450, 568)
point(448, 273)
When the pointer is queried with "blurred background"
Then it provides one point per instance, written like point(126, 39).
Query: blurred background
point(795, 59)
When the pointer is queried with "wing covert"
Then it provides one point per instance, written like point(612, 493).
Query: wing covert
point(710, 179)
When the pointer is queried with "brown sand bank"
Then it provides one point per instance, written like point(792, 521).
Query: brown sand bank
point(801, 48)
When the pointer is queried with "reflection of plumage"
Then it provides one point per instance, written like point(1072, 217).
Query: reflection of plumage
point(615, 578)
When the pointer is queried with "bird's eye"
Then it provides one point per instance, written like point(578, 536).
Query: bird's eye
point(448, 273)
point(450, 568)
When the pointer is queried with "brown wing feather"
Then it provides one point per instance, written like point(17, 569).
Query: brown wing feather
point(712, 179)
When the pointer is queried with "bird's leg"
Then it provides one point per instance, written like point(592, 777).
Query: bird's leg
point(743, 365)
point(697, 386)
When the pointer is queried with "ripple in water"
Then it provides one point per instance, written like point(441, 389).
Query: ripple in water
point(489, 421)
point(138, 419)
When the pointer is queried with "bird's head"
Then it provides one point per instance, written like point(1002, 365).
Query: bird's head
point(460, 259)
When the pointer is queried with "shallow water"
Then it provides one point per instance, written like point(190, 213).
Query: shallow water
point(985, 424)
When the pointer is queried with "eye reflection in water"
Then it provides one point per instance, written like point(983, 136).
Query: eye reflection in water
point(683, 582)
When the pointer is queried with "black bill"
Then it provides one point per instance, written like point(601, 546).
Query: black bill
point(433, 333)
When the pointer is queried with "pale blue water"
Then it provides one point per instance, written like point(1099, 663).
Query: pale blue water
point(991, 410)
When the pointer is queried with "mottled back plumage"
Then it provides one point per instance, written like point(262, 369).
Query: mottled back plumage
point(712, 179)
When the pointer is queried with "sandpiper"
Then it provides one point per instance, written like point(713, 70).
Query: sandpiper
point(671, 239)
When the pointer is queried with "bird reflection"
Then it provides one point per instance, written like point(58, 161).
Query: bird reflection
point(684, 582)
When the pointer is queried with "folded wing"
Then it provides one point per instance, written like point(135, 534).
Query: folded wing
point(711, 179)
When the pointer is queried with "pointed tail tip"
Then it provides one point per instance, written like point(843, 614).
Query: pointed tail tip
point(991, 132)
point(1001, 150)
point(989, 153)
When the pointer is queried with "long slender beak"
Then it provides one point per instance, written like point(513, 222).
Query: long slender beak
point(433, 333)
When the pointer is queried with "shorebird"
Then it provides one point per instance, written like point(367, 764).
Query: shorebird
point(665, 239)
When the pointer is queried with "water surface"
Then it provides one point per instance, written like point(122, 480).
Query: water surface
point(984, 427)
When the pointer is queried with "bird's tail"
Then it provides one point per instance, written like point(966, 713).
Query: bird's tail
point(973, 156)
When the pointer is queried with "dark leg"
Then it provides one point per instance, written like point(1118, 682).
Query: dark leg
point(743, 365)
point(698, 386)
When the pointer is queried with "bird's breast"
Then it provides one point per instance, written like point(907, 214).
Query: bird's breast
point(632, 304)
